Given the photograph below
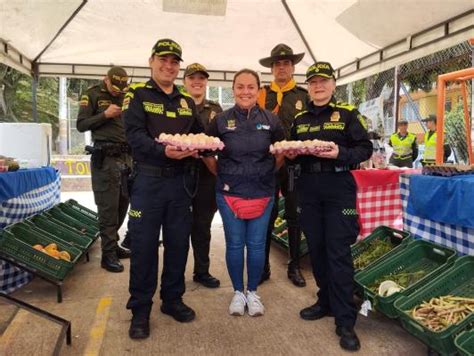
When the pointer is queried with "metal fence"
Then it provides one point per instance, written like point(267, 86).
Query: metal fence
point(410, 92)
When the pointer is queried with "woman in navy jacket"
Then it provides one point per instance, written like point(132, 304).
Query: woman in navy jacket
point(245, 185)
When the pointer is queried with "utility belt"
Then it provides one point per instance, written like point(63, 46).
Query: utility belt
point(403, 157)
point(112, 149)
point(320, 167)
point(163, 171)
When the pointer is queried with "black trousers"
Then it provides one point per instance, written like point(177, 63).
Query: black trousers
point(290, 216)
point(328, 219)
point(204, 208)
point(158, 203)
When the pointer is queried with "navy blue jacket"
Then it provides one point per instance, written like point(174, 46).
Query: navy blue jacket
point(148, 112)
point(246, 168)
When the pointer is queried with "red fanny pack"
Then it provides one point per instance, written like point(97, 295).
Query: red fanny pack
point(247, 208)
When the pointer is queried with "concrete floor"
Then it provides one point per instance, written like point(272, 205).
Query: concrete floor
point(94, 301)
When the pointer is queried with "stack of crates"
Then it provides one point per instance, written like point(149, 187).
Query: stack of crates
point(70, 226)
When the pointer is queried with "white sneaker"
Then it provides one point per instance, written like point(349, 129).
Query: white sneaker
point(254, 304)
point(238, 303)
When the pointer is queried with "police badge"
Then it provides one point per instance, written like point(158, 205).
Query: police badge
point(184, 103)
point(335, 116)
point(299, 105)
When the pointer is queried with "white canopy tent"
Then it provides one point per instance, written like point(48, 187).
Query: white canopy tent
point(82, 38)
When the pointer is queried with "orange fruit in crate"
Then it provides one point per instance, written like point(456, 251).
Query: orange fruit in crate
point(38, 247)
point(64, 255)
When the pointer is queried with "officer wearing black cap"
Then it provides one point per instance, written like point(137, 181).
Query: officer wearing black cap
point(160, 189)
point(285, 99)
point(100, 112)
point(405, 148)
point(204, 203)
point(327, 198)
point(429, 154)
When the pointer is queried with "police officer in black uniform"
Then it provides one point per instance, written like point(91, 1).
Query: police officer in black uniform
point(204, 203)
point(100, 112)
point(327, 198)
point(161, 188)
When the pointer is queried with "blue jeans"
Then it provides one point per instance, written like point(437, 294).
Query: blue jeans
point(238, 234)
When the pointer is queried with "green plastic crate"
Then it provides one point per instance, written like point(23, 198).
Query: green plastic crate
point(465, 343)
point(68, 221)
point(72, 237)
point(283, 242)
point(418, 255)
point(19, 247)
point(280, 228)
point(457, 280)
point(398, 239)
point(76, 214)
point(82, 209)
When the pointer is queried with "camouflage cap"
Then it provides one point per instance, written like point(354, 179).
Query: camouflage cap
point(195, 68)
point(320, 69)
point(166, 46)
point(118, 78)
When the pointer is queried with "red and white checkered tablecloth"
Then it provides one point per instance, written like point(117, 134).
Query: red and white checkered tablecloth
point(378, 199)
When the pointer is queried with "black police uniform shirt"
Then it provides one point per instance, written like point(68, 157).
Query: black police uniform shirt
point(293, 102)
point(245, 168)
point(207, 112)
point(338, 122)
point(148, 111)
point(91, 115)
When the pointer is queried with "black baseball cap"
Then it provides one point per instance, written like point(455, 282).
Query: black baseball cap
point(166, 46)
point(430, 118)
point(196, 68)
point(320, 69)
point(118, 78)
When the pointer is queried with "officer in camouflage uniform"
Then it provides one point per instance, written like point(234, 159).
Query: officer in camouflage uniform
point(285, 99)
point(204, 203)
point(100, 112)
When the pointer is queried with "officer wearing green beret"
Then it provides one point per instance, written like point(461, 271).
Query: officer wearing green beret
point(285, 99)
point(204, 203)
point(100, 111)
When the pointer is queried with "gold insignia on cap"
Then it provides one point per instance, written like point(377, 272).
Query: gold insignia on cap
point(212, 115)
point(335, 116)
point(184, 103)
point(299, 105)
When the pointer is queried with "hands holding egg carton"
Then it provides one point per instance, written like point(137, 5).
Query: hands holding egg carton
point(301, 147)
point(191, 141)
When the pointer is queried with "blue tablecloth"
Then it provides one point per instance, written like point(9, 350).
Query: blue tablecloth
point(22, 194)
point(449, 200)
point(461, 238)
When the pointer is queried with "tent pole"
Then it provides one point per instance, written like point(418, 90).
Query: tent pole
point(295, 23)
point(34, 92)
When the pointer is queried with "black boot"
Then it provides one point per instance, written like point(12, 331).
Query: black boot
point(207, 280)
point(349, 340)
point(139, 328)
point(123, 253)
point(265, 274)
point(294, 242)
point(178, 310)
point(111, 263)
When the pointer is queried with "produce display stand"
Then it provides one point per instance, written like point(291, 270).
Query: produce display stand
point(17, 241)
point(65, 324)
point(456, 281)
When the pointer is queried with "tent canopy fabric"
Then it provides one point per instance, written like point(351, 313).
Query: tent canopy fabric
point(83, 38)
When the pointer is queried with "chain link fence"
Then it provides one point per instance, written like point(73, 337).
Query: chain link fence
point(415, 99)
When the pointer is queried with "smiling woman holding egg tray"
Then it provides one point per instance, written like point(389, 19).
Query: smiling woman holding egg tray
point(245, 185)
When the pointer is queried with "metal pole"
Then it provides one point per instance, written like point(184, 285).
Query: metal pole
point(34, 92)
point(396, 98)
point(62, 116)
point(349, 93)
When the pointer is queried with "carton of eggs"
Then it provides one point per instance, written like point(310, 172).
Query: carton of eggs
point(191, 141)
point(301, 147)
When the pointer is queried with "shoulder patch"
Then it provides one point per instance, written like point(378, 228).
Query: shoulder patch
point(301, 113)
point(84, 100)
point(137, 85)
point(184, 92)
point(343, 105)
